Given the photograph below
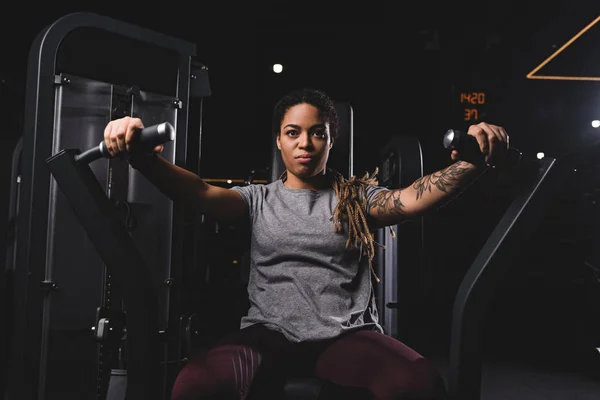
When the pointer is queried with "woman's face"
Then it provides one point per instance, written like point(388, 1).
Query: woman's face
point(304, 141)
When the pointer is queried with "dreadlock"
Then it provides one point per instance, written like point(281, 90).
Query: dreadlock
point(352, 208)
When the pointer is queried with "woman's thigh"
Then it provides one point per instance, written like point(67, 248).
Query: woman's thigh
point(231, 367)
point(385, 366)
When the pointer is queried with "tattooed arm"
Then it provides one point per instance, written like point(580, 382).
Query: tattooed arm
point(391, 207)
point(432, 191)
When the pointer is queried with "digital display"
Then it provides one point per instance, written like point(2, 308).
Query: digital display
point(472, 105)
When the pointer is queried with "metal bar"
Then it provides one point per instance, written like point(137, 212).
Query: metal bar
point(107, 232)
point(26, 375)
point(492, 262)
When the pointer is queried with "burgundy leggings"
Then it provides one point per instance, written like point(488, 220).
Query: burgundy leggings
point(254, 362)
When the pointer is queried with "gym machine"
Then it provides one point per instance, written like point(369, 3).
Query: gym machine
point(70, 311)
point(399, 260)
point(135, 333)
point(534, 184)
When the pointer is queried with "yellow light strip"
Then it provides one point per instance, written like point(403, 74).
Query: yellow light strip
point(565, 78)
point(557, 52)
point(223, 180)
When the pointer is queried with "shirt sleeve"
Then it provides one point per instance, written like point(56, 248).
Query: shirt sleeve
point(245, 191)
point(247, 194)
point(371, 191)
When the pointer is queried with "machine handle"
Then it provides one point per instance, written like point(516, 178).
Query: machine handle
point(469, 150)
point(148, 138)
point(465, 144)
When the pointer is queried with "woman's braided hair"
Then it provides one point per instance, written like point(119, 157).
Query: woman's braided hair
point(351, 193)
point(352, 208)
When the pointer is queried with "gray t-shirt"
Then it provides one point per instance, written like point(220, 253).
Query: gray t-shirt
point(303, 282)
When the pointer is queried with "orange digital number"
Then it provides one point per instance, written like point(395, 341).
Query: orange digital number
point(471, 114)
point(473, 98)
point(480, 98)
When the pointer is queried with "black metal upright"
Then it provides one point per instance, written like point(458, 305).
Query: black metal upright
point(104, 50)
point(400, 263)
point(533, 197)
point(115, 246)
point(6, 278)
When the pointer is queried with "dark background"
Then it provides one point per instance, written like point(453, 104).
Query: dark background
point(401, 66)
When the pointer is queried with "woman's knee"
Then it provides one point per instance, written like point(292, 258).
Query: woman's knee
point(422, 381)
point(221, 373)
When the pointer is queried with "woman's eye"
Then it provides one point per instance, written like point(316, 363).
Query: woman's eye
point(291, 133)
point(321, 134)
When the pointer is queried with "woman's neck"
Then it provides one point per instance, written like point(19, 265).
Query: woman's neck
point(317, 182)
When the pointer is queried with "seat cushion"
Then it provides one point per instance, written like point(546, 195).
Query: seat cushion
point(303, 388)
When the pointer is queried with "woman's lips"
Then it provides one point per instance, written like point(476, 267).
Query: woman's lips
point(304, 159)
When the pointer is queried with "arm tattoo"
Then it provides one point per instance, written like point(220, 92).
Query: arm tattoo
point(448, 180)
point(388, 202)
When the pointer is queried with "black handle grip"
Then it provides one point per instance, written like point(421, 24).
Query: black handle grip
point(469, 150)
point(465, 144)
point(147, 138)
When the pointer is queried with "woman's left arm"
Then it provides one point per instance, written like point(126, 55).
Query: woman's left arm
point(431, 191)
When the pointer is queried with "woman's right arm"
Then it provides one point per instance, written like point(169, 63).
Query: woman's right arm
point(177, 183)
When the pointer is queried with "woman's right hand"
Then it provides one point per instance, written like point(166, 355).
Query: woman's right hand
point(120, 133)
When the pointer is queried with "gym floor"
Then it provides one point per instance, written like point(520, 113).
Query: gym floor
point(505, 380)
